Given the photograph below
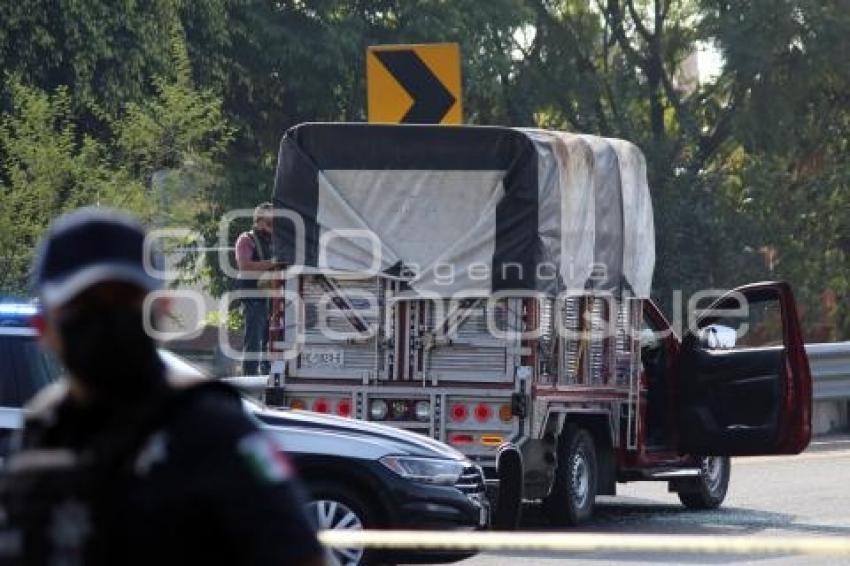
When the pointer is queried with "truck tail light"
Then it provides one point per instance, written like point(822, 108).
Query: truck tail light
point(297, 404)
point(343, 408)
point(483, 413)
point(378, 410)
point(461, 439)
point(459, 413)
point(492, 439)
point(321, 406)
point(506, 413)
point(422, 409)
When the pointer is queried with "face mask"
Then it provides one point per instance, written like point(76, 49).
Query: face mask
point(108, 351)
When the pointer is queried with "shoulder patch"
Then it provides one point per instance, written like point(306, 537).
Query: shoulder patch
point(264, 458)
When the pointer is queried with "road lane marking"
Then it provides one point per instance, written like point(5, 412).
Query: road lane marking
point(586, 542)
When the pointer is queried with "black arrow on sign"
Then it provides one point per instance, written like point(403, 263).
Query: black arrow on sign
point(431, 99)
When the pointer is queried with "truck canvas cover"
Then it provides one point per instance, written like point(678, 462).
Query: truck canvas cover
point(466, 210)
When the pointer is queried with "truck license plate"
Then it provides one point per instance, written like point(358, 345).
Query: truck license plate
point(323, 358)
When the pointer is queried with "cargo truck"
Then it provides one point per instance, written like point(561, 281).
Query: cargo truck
point(490, 288)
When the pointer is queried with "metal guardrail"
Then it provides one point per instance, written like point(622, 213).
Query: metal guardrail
point(829, 362)
point(830, 365)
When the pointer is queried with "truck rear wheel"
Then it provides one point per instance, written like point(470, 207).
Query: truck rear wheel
point(573, 495)
point(708, 490)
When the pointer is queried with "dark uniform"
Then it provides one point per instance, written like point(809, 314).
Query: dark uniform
point(128, 466)
point(189, 479)
point(255, 310)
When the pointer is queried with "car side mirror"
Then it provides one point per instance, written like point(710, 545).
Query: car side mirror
point(717, 337)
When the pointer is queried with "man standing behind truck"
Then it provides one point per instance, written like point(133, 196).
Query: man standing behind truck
point(253, 253)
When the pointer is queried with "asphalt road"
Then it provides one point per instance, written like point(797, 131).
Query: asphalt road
point(807, 494)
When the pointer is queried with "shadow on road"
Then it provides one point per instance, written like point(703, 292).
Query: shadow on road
point(633, 515)
point(641, 516)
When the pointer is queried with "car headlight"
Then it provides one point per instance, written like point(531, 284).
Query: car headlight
point(426, 470)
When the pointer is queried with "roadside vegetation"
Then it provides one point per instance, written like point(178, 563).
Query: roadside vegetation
point(174, 109)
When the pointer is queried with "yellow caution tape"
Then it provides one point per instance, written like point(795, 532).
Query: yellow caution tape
point(585, 542)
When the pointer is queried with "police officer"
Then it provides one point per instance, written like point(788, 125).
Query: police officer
point(120, 463)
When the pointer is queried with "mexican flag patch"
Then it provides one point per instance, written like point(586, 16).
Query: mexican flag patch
point(265, 458)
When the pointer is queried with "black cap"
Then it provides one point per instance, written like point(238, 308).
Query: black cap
point(89, 246)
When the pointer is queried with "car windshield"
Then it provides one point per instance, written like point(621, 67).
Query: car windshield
point(24, 369)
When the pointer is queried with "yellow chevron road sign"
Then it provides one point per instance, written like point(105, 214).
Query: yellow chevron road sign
point(414, 84)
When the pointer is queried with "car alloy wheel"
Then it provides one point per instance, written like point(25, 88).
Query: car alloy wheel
point(336, 515)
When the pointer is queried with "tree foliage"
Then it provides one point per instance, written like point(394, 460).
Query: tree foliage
point(48, 167)
point(748, 168)
point(158, 157)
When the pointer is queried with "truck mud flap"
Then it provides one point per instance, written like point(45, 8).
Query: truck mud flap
point(274, 397)
point(508, 509)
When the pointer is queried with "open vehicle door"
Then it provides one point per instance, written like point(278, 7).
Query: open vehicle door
point(744, 381)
